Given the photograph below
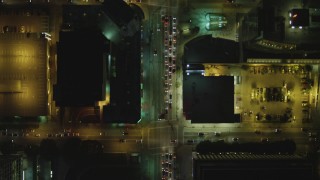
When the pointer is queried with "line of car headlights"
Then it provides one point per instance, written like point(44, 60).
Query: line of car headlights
point(170, 40)
point(168, 165)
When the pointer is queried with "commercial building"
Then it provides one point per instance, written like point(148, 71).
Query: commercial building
point(81, 67)
point(11, 167)
point(106, 80)
point(245, 166)
point(24, 59)
point(23, 79)
point(207, 98)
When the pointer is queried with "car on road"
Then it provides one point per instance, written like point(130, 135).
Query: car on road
point(101, 133)
point(166, 40)
point(155, 52)
point(37, 135)
point(217, 134)
point(164, 174)
point(9, 29)
point(174, 29)
point(277, 130)
point(76, 134)
point(125, 133)
point(122, 140)
point(174, 20)
point(312, 134)
point(304, 130)
point(201, 134)
point(173, 141)
point(166, 21)
point(166, 156)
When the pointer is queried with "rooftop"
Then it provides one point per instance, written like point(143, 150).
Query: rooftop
point(209, 99)
point(206, 49)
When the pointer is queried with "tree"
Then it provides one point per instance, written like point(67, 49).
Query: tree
point(71, 150)
point(308, 68)
point(178, 84)
point(254, 85)
point(286, 146)
point(91, 147)
point(268, 117)
point(204, 147)
point(8, 147)
point(48, 149)
point(32, 150)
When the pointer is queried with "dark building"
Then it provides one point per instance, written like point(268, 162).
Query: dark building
point(107, 166)
point(125, 17)
point(118, 11)
point(206, 49)
point(11, 167)
point(78, 17)
point(299, 17)
point(125, 88)
point(81, 65)
point(267, 18)
point(89, 71)
point(245, 166)
point(209, 99)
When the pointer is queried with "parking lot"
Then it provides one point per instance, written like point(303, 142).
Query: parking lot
point(23, 78)
point(24, 20)
point(269, 93)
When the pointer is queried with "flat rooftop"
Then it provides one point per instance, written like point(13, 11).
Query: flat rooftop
point(244, 156)
point(23, 75)
point(299, 17)
point(81, 59)
point(251, 167)
point(206, 49)
point(209, 99)
point(125, 88)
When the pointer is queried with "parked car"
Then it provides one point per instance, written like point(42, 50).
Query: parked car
point(155, 52)
point(200, 134)
point(264, 140)
point(173, 141)
point(235, 139)
point(190, 141)
point(277, 130)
